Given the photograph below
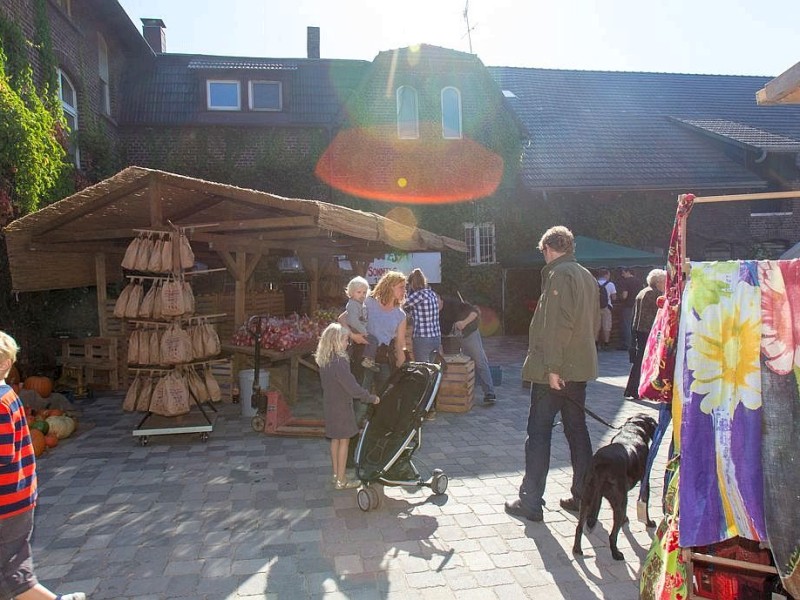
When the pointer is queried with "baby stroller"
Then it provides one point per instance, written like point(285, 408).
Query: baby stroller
point(393, 432)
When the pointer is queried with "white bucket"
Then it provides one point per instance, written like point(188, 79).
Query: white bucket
point(246, 378)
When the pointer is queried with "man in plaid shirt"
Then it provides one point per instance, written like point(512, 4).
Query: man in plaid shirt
point(423, 305)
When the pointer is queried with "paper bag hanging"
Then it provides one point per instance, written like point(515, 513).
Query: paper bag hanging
point(172, 299)
point(129, 260)
point(129, 404)
point(122, 302)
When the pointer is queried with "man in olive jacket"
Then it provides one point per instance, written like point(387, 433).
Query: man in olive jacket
point(561, 358)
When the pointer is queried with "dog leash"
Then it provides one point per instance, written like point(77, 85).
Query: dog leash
point(592, 414)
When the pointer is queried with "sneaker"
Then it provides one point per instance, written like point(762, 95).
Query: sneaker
point(430, 415)
point(346, 484)
point(570, 504)
point(489, 399)
point(369, 363)
point(73, 596)
point(515, 509)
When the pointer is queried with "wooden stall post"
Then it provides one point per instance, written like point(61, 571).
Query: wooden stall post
point(102, 293)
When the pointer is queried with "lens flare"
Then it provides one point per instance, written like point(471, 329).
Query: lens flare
point(372, 163)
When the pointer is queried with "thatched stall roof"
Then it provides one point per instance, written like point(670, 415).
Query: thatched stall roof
point(54, 247)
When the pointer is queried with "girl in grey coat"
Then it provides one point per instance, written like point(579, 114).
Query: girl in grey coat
point(339, 387)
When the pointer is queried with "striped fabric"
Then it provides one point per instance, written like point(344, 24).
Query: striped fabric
point(17, 463)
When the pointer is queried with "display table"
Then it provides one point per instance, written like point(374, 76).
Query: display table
point(295, 357)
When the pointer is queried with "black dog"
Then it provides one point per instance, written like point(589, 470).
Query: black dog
point(614, 471)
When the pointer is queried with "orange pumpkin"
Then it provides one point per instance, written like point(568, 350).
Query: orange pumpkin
point(40, 384)
point(51, 440)
point(38, 442)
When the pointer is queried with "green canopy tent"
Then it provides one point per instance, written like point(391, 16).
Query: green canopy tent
point(521, 274)
point(592, 253)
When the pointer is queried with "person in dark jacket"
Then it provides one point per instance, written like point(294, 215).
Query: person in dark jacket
point(561, 359)
point(462, 318)
point(339, 387)
point(644, 313)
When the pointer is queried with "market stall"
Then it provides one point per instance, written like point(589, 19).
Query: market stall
point(732, 524)
point(81, 241)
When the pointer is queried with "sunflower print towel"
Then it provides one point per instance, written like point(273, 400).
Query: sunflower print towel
point(721, 490)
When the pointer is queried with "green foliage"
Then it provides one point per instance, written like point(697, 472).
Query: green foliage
point(31, 157)
point(99, 156)
point(49, 64)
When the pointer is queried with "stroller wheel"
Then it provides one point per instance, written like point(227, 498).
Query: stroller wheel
point(374, 496)
point(257, 423)
point(364, 499)
point(439, 482)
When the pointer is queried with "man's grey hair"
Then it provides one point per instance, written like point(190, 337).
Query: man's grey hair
point(656, 275)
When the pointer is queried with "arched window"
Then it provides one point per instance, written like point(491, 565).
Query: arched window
point(451, 113)
point(69, 104)
point(407, 113)
point(102, 69)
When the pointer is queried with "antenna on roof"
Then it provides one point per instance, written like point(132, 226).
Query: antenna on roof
point(469, 29)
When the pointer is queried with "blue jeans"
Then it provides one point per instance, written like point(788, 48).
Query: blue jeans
point(423, 346)
point(472, 346)
point(546, 403)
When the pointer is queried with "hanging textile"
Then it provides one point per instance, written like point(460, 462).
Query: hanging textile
point(664, 574)
point(780, 377)
point(721, 490)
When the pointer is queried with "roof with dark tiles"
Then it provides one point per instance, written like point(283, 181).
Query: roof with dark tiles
point(171, 91)
point(614, 130)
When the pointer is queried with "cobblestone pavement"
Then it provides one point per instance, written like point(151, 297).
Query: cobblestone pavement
point(246, 515)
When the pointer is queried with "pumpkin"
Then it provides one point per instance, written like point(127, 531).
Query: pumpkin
point(41, 385)
point(41, 425)
point(61, 426)
point(38, 443)
point(51, 440)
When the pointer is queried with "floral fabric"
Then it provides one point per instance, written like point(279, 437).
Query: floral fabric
point(721, 492)
point(780, 374)
point(658, 362)
point(664, 574)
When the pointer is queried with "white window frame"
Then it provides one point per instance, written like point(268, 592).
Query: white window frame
point(70, 108)
point(407, 124)
point(481, 243)
point(236, 82)
point(102, 69)
point(455, 135)
point(251, 95)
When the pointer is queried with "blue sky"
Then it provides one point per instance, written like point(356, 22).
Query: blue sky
point(734, 37)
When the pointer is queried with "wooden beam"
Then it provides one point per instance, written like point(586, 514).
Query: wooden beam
point(76, 248)
point(240, 289)
point(254, 260)
point(196, 207)
point(229, 261)
point(737, 197)
point(232, 243)
point(123, 233)
point(102, 294)
point(155, 205)
point(784, 89)
point(254, 224)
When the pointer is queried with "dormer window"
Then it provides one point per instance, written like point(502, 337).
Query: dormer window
point(451, 113)
point(266, 95)
point(223, 95)
point(407, 113)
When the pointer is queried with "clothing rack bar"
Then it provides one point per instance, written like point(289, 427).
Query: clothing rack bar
point(158, 324)
point(737, 197)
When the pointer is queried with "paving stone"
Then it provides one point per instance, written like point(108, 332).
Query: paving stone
point(251, 516)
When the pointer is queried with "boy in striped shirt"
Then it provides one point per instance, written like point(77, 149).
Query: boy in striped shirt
point(17, 492)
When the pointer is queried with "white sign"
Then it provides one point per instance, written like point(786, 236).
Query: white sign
point(429, 262)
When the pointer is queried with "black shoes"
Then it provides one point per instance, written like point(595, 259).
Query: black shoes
point(516, 509)
point(570, 504)
point(489, 399)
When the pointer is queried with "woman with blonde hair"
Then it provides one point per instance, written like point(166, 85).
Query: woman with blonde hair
point(339, 387)
point(387, 320)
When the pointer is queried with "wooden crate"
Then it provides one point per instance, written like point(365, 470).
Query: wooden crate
point(456, 392)
point(98, 358)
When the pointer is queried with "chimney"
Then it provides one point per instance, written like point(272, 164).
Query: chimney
point(153, 32)
point(313, 42)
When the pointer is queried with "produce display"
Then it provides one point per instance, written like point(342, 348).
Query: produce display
point(47, 427)
point(284, 333)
